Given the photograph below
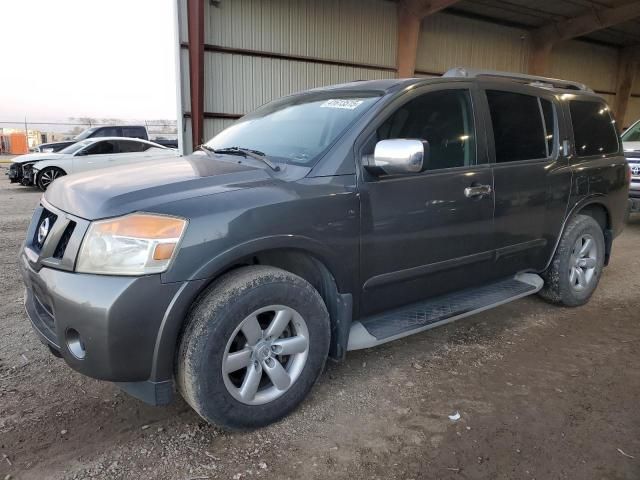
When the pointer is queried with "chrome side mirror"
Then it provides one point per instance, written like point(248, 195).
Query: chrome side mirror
point(399, 155)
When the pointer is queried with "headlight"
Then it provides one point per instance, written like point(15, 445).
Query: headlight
point(136, 244)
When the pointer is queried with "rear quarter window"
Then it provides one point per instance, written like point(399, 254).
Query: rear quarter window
point(594, 129)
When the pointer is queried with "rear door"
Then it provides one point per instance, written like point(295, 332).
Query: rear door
point(421, 234)
point(532, 178)
point(130, 151)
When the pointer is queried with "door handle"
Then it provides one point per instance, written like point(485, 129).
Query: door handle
point(477, 191)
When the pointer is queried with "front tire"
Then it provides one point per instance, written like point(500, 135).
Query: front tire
point(254, 345)
point(577, 265)
point(47, 176)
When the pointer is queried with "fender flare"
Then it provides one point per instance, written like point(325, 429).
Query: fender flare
point(593, 199)
point(173, 320)
point(224, 260)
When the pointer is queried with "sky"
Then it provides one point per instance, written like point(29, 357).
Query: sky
point(87, 58)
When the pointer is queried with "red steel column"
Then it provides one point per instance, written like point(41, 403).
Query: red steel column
point(195, 26)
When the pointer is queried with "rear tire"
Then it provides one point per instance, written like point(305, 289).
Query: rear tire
point(576, 267)
point(232, 367)
point(47, 176)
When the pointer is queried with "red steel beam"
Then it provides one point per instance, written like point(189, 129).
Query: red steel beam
point(195, 27)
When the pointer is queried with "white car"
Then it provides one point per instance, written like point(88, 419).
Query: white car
point(43, 168)
point(631, 138)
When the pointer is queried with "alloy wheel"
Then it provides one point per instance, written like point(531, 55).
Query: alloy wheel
point(583, 262)
point(265, 355)
point(48, 176)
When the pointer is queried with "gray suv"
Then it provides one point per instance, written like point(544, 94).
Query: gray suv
point(335, 219)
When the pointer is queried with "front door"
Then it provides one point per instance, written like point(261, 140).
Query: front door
point(427, 233)
point(100, 154)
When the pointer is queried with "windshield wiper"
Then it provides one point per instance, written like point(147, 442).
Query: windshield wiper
point(206, 149)
point(246, 152)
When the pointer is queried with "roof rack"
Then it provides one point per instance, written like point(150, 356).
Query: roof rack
point(545, 82)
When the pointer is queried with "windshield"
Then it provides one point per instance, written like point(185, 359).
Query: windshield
point(85, 133)
point(296, 129)
point(75, 147)
point(632, 134)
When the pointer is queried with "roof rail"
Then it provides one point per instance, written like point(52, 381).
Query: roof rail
point(535, 80)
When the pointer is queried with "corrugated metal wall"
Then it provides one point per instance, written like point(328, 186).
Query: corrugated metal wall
point(594, 65)
point(363, 32)
point(448, 41)
point(348, 30)
point(248, 82)
point(633, 111)
point(334, 30)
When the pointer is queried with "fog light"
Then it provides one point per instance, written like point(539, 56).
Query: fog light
point(75, 344)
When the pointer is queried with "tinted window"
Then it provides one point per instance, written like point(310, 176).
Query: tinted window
point(101, 148)
point(73, 148)
point(632, 134)
point(106, 132)
point(549, 124)
point(517, 126)
point(296, 129)
point(444, 119)
point(86, 133)
point(134, 132)
point(127, 146)
point(593, 128)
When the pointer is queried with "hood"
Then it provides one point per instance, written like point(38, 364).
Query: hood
point(36, 157)
point(142, 186)
point(631, 146)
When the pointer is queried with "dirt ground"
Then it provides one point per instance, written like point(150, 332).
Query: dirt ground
point(543, 393)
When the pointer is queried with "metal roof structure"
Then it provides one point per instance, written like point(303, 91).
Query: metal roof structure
point(531, 15)
point(235, 55)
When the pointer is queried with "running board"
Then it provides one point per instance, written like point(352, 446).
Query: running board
point(432, 313)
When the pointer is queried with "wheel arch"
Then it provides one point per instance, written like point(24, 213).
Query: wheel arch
point(44, 165)
point(304, 263)
point(43, 168)
point(596, 208)
point(314, 270)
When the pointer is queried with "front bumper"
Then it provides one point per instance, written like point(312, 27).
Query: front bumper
point(127, 328)
point(15, 173)
point(19, 173)
point(118, 320)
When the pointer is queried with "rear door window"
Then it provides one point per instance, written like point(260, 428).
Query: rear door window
point(549, 118)
point(102, 148)
point(131, 146)
point(518, 128)
point(594, 130)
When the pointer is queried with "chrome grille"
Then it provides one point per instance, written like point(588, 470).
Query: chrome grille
point(38, 240)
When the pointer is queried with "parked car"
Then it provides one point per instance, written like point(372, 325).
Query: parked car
point(633, 157)
point(631, 138)
point(43, 168)
point(166, 142)
point(332, 220)
point(130, 131)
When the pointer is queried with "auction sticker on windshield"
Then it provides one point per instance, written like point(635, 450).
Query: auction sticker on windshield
point(347, 104)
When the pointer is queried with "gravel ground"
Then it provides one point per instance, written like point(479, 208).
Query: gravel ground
point(542, 392)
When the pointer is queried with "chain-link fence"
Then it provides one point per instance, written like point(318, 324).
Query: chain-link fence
point(38, 132)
